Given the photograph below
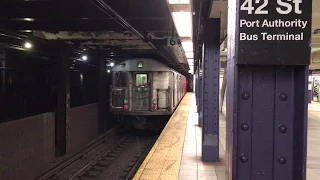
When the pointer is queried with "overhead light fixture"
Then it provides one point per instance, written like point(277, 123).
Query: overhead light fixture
point(84, 57)
point(112, 64)
point(187, 46)
point(189, 55)
point(182, 21)
point(28, 45)
point(179, 1)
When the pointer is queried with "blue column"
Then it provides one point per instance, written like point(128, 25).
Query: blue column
point(200, 95)
point(197, 88)
point(267, 91)
point(210, 91)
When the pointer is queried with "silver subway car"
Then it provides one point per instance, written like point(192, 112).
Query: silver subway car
point(143, 89)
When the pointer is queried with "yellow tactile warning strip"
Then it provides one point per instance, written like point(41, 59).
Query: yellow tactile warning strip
point(163, 161)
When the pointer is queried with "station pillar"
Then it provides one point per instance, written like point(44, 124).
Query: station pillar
point(210, 90)
point(102, 98)
point(267, 89)
point(200, 96)
point(63, 99)
point(196, 87)
point(3, 85)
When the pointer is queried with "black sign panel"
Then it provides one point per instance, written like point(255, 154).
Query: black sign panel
point(274, 32)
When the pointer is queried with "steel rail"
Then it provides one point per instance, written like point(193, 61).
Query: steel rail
point(78, 155)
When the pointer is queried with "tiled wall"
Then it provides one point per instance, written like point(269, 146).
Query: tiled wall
point(83, 126)
point(29, 143)
point(25, 145)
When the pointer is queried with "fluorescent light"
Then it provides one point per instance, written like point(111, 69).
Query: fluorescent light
point(190, 60)
point(179, 1)
point(81, 77)
point(182, 21)
point(191, 64)
point(315, 50)
point(28, 19)
point(189, 55)
point(28, 45)
point(187, 46)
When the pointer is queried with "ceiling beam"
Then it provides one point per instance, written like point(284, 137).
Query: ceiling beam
point(88, 25)
point(48, 9)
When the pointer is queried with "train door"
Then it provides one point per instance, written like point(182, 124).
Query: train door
point(174, 90)
point(119, 90)
point(142, 91)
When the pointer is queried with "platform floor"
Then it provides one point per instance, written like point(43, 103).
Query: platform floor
point(177, 152)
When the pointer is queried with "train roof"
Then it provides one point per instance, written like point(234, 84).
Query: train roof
point(141, 64)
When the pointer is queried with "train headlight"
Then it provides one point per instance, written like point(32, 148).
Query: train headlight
point(125, 101)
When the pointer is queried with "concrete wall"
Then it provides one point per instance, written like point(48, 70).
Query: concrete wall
point(83, 125)
point(25, 145)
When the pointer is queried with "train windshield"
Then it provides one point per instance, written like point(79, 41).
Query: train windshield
point(120, 79)
point(141, 79)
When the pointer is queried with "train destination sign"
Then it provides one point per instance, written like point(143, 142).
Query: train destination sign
point(275, 32)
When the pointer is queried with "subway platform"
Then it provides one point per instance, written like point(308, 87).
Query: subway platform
point(177, 152)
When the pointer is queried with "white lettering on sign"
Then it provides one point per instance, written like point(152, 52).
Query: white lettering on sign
point(284, 6)
point(283, 9)
point(288, 7)
point(297, 23)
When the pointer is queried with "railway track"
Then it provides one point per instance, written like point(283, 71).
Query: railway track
point(117, 155)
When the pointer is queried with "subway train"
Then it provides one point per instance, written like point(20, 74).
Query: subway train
point(144, 93)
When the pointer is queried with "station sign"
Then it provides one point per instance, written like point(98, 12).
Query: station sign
point(172, 41)
point(274, 32)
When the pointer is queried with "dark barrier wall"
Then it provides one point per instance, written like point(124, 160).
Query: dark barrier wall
point(83, 125)
point(25, 145)
point(26, 86)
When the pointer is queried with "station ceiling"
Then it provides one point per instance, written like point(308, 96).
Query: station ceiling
point(120, 29)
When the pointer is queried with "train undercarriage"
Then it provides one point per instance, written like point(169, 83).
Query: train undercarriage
point(153, 123)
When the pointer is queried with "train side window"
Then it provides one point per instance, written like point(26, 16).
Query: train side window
point(120, 79)
point(141, 79)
